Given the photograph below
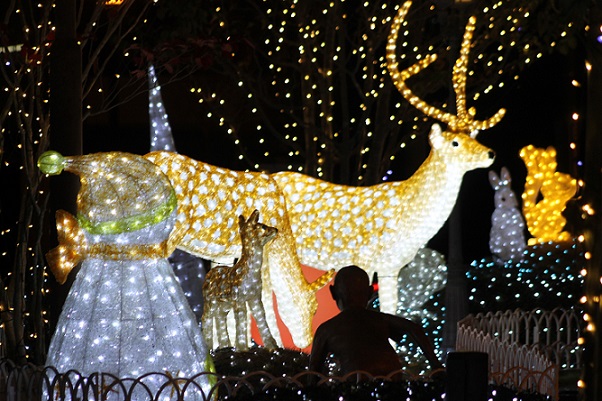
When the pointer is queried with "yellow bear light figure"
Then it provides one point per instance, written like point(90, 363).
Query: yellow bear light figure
point(544, 218)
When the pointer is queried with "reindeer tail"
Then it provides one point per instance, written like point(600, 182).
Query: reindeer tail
point(322, 280)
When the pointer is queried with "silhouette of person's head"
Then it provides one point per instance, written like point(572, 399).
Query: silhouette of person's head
point(351, 288)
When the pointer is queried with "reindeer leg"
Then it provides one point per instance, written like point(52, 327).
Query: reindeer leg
point(223, 339)
point(388, 293)
point(207, 326)
point(267, 299)
point(241, 326)
point(259, 314)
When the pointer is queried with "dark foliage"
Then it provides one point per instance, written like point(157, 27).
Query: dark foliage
point(287, 362)
point(548, 277)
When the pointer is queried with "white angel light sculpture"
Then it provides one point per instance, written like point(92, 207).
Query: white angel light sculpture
point(507, 235)
point(125, 313)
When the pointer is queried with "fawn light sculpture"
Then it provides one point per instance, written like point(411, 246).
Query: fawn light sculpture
point(232, 288)
point(327, 226)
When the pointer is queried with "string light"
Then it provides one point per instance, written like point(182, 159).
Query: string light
point(336, 225)
point(549, 276)
point(523, 13)
point(301, 79)
point(348, 239)
point(418, 286)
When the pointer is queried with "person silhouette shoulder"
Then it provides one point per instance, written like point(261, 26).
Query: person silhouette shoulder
point(358, 337)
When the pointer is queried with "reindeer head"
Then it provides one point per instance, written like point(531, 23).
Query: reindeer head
point(254, 233)
point(459, 150)
point(462, 128)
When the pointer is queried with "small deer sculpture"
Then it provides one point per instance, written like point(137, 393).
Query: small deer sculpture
point(234, 288)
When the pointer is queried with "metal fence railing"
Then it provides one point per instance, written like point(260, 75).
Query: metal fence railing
point(30, 382)
point(527, 349)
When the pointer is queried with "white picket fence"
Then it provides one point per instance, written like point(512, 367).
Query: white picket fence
point(527, 349)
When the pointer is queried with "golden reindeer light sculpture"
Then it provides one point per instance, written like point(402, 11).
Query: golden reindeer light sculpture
point(381, 228)
point(234, 288)
point(210, 199)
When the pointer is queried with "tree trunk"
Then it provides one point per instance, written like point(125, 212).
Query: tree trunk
point(66, 100)
point(456, 295)
point(65, 125)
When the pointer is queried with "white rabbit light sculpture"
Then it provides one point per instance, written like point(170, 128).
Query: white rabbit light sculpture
point(507, 235)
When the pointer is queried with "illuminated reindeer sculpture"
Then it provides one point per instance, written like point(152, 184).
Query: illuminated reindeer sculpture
point(210, 199)
point(379, 228)
point(234, 288)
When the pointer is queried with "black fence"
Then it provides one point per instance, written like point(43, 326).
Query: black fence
point(33, 383)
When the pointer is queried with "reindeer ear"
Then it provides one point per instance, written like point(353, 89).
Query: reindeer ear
point(435, 137)
point(254, 216)
point(241, 221)
point(494, 180)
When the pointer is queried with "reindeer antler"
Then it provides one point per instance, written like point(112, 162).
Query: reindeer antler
point(464, 120)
